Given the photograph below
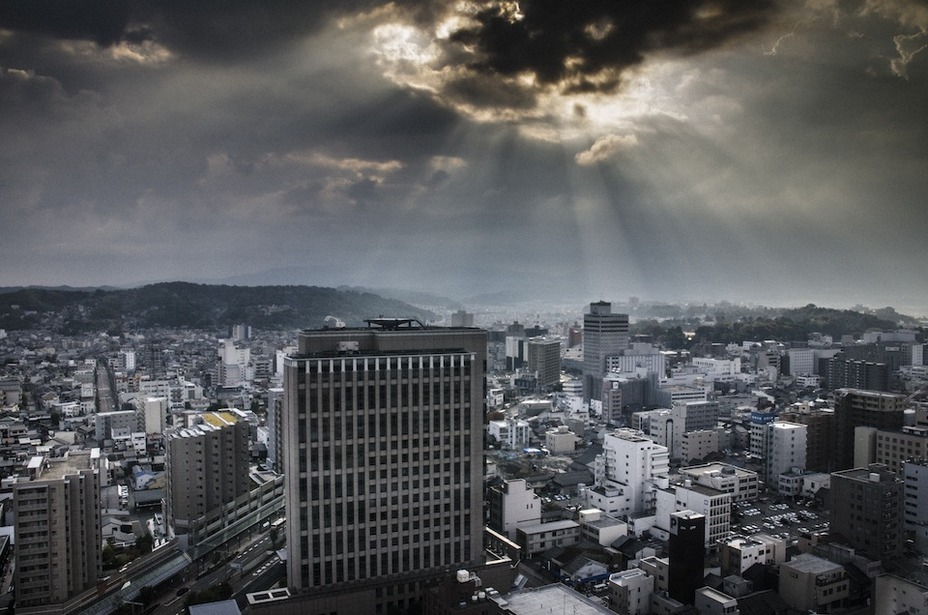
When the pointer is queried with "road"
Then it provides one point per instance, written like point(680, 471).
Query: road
point(105, 399)
point(253, 559)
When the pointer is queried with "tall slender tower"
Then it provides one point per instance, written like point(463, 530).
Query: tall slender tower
point(604, 334)
point(383, 451)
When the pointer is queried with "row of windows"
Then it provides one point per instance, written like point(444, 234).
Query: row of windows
point(363, 566)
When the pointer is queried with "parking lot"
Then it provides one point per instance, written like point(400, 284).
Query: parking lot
point(780, 519)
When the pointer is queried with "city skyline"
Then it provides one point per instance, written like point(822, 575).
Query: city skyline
point(770, 152)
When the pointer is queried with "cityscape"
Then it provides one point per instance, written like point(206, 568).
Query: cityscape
point(465, 464)
point(485, 307)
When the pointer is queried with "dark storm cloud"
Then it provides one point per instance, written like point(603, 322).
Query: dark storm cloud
point(576, 43)
point(101, 21)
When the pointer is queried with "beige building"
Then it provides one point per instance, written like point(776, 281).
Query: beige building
point(560, 440)
point(58, 533)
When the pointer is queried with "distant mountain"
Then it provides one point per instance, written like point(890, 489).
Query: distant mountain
point(194, 306)
point(407, 296)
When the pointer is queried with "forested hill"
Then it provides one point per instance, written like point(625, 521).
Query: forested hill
point(183, 305)
point(795, 324)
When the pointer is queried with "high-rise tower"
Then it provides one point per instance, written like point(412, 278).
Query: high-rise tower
point(604, 334)
point(383, 451)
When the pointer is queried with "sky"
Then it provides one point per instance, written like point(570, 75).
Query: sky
point(771, 152)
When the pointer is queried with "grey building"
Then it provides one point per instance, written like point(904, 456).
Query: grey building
point(383, 458)
point(867, 510)
point(58, 533)
point(604, 334)
point(206, 467)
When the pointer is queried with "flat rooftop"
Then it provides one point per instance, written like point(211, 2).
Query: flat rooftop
point(554, 598)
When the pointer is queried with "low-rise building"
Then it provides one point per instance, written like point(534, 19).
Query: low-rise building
point(810, 583)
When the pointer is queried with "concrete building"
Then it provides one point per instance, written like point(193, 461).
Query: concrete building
point(599, 528)
point(510, 505)
point(786, 449)
point(630, 592)
point(512, 433)
point(861, 408)
point(893, 594)
point(915, 513)
point(206, 467)
point(699, 444)
point(738, 553)
point(560, 440)
point(710, 601)
point(627, 473)
point(58, 533)
point(713, 505)
point(538, 538)
point(604, 334)
point(544, 359)
point(741, 483)
point(867, 510)
point(820, 435)
point(700, 415)
point(383, 460)
point(894, 448)
point(813, 584)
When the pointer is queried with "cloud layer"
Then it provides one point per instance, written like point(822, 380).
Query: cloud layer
point(766, 151)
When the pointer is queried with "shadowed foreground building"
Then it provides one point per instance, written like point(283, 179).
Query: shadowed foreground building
point(383, 451)
point(58, 535)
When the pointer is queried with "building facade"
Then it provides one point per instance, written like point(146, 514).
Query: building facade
point(383, 451)
point(58, 533)
point(867, 510)
point(206, 467)
point(604, 334)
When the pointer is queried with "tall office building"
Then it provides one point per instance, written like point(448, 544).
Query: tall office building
point(867, 510)
point(544, 358)
point(58, 533)
point(862, 408)
point(206, 466)
point(383, 452)
point(604, 334)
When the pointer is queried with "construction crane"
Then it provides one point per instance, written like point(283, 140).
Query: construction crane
point(339, 323)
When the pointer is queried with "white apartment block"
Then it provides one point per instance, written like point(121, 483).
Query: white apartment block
point(801, 361)
point(629, 470)
point(510, 505)
point(786, 448)
point(511, 433)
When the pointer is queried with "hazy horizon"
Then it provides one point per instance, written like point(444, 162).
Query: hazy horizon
point(770, 153)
